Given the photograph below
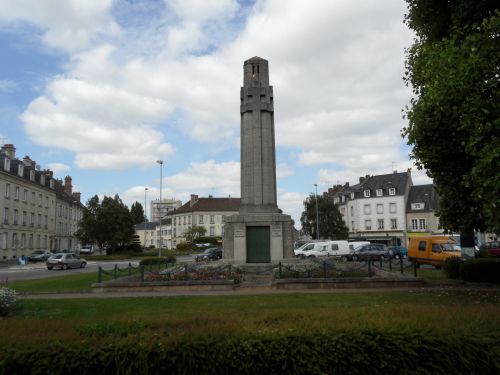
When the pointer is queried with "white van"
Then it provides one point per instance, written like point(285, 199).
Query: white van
point(355, 244)
point(312, 249)
point(338, 249)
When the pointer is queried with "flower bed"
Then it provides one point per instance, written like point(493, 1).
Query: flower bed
point(8, 301)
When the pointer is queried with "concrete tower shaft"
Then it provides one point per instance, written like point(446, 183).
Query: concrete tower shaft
point(258, 157)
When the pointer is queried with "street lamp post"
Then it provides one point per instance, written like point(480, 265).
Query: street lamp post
point(317, 212)
point(161, 177)
point(145, 200)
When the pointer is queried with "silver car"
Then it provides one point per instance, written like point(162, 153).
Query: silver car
point(65, 260)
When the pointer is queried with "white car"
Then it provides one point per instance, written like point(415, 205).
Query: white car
point(65, 261)
point(312, 250)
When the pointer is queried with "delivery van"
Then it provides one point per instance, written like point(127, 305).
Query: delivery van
point(312, 249)
point(338, 249)
point(432, 250)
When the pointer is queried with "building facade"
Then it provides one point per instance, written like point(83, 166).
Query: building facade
point(38, 211)
point(163, 208)
point(375, 208)
point(421, 219)
point(209, 213)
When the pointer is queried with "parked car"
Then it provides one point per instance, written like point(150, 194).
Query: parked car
point(65, 260)
point(39, 256)
point(397, 252)
point(312, 250)
point(492, 247)
point(432, 250)
point(370, 252)
point(87, 249)
point(212, 253)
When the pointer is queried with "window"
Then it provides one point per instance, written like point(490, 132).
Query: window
point(392, 191)
point(175, 221)
point(417, 206)
point(39, 220)
point(25, 195)
point(380, 223)
point(212, 219)
point(23, 241)
point(184, 220)
point(335, 200)
point(14, 240)
point(414, 224)
point(16, 193)
point(40, 200)
point(367, 193)
point(25, 216)
point(352, 225)
point(422, 245)
point(394, 223)
point(7, 190)
point(392, 208)
point(200, 219)
point(352, 210)
point(212, 231)
point(368, 224)
point(352, 195)
point(342, 198)
point(379, 192)
point(42, 179)
point(32, 175)
point(51, 184)
point(33, 197)
point(335, 247)
point(189, 220)
point(16, 216)
point(380, 208)
point(367, 209)
point(6, 164)
point(342, 211)
point(6, 215)
point(422, 224)
point(32, 219)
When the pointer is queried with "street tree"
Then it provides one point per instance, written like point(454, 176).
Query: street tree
point(108, 223)
point(331, 224)
point(137, 212)
point(453, 120)
point(194, 232)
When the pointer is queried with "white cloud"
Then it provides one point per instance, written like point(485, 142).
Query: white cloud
point(284, 170)
point(7, 85)
point(292, 203)
point(67, 24)
point(58, 167)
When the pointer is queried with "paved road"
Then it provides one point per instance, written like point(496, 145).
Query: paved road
point(33, 271)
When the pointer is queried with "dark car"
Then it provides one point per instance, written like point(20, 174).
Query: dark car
point(492, 247)
point(212, 253)
point(370, 252)
point(39, 256)
point(65, 261)
point(397, 252)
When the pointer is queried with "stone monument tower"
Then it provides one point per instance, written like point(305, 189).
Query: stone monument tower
point(259, 233)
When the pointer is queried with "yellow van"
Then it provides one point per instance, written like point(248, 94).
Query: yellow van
point(432, 250)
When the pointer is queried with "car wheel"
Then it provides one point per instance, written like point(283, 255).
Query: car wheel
point(83, 265)
point(396, 256)
point(64, 267)
point(355, 258)
point(344, 259)
point(312, 256)
point(49, 268)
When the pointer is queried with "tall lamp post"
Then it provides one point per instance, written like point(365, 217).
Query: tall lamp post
point(145, 200)
point(161, 177)
point(317, 212)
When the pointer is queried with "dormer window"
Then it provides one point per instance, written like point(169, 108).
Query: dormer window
point(20, 170)
point(32, 175)
point(51, 183)
point(335, 200)
point(367, 193)
point(42, 179)
point(352, 195)
point(379, 192)
point(6, 164)
point(392, 191)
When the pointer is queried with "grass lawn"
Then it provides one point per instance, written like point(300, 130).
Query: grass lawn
point(71, 283)
point(441, 311)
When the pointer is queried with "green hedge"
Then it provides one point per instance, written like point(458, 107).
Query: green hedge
point(482, 270)
point(451, 267)
point(335, 353)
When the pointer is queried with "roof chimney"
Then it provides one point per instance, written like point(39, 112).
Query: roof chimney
point(193, 200)
point(361, 179)
point(68, 188)
point(9, 150)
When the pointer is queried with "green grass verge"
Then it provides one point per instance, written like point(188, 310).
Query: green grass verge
point(438, 312)
point(71, 283)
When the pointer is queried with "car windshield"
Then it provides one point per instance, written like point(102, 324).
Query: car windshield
point(57, 256)
point(208, 251)
point(449, 247)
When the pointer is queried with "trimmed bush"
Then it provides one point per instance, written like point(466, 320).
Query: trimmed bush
point(184, 246)
point(8, 301)
point(482, 270)
point(322, 353)
point(451, 267)
point(155, 261)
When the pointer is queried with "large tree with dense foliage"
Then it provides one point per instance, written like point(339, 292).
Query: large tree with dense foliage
point(109, 223)
point(137, 212)
point(453, 121)
point(331, 224)
point(194, 232)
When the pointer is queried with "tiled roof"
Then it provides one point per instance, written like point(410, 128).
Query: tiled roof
point(210, 204)
point(149, 225)
point(425, 194)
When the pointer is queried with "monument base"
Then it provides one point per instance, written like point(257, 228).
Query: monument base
point(258, 237)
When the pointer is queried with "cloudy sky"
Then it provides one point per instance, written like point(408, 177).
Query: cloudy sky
point(101, 89)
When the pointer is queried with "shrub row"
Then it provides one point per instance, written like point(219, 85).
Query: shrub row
point(337, 353)
point(480, 270)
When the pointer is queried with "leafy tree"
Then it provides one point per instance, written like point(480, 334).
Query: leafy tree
point(194, 232)
point(453, 122)
point(109, 224)
point(331, 224)
point(137, 213)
